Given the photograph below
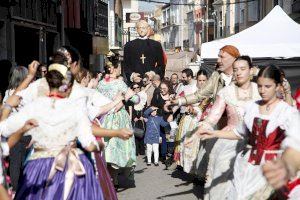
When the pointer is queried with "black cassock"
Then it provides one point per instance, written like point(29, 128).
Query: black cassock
point(141, 56)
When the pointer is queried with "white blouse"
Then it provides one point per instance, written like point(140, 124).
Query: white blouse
point(59, 123)
point(90, 100)
point(283, 116)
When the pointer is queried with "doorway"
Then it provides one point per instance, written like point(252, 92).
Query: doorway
point(26, 45)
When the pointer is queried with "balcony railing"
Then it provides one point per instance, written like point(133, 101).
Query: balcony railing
point(164, 24)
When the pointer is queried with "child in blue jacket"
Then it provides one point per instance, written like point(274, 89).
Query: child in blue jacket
point(151, 139)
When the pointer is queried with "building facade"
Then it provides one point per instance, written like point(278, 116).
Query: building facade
point(129, 7)
point(33, 30)
point(115, 24)
point(296, 10)
point(175, 25)
point(232, 17)
point(28, 34)
point(189, 43)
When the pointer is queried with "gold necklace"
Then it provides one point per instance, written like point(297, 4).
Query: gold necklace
point(244, 98)
point(269, 104)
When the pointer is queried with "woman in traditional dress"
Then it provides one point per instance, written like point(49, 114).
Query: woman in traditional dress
point(56, 169)
point(118, 153)
point(191, 121)
point(91, 101)
point(286, 169)
point(232, 101)
point(266, 123)
point(7, 144)
point(18, 152)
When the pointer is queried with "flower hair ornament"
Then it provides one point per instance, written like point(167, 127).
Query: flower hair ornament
point(133, 75)
point(63, 70)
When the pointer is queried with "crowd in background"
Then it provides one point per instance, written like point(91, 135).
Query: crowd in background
point(202, 124)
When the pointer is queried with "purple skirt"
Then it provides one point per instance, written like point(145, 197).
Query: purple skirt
point(32, 185)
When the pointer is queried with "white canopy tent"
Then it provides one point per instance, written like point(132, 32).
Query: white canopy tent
point(276, 36)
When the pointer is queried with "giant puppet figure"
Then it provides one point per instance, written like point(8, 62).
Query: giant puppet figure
point(143, 54)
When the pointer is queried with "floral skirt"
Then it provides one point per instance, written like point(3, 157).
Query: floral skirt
point(118, 152)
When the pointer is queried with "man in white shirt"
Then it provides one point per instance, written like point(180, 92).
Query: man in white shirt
point(189, 86)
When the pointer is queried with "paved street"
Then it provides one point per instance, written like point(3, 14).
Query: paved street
point(156, 183)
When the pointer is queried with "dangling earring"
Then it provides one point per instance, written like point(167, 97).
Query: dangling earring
point(251, 77)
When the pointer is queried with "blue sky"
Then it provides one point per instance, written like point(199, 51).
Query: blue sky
point(145, 6)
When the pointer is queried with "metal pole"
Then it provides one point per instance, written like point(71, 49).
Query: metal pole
point(128, 32)
point(206, 20)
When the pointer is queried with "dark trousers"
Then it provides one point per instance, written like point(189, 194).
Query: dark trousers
point(170, 149)
point(139, 146)
point(16, 160)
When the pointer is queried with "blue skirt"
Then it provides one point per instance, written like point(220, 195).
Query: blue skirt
point(32, 185)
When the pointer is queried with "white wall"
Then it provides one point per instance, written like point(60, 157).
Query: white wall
point(111, 24)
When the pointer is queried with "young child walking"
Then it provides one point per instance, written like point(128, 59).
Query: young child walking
point(153, 124)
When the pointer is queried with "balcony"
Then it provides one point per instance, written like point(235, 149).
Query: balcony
point(165, 24)
point(296, 6)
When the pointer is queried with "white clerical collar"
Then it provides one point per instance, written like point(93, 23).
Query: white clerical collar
point(227, 78)
point(143, 38)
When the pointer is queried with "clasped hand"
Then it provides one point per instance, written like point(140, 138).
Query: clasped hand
point(202, 134)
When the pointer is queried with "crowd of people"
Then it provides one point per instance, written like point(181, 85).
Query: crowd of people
point(67, 133)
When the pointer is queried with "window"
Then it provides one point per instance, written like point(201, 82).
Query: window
point(227, 16)
point(278, 2)
point(242, 16)
point(253, 11)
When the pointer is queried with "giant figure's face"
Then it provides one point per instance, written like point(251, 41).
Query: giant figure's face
point(142, 28)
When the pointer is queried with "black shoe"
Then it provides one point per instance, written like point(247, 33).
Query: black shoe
point(179, 168)
point(131, 183)
point(197, 181)
point(148, 164)
point(163, 159)
point(156, 164)
point(169, 162)
point(116, 186)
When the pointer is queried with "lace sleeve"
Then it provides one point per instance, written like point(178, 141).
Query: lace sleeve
point(244, 127)
point(16, 121)
point(215, 113)
point(241, 130)
point(206, 91)
point(30, 93)
point(95, 101)
point(292, 127)
point(84, 131)
point(122, 86)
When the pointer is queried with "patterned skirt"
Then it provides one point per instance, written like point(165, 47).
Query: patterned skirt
point(119, 153)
